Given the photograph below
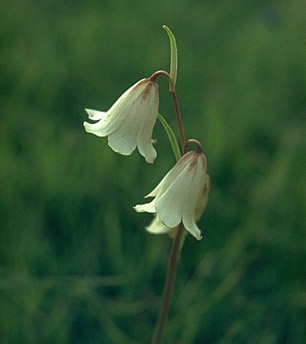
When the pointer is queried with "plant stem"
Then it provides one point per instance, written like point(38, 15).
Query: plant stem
point(177, 243)
point(171, 137)
point(194, 142)
point(175, 103)
point(158, 73)
point(178, 118)
point(172, 268)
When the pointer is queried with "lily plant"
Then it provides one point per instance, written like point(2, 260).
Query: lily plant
point(180, 198)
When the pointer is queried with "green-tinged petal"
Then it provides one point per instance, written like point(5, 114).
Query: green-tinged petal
point(170, 204)
point(146, 149)
point(191, 227)
point(148, 207)
point(108, 124)
point(120, 143)
point(193, 197)
point(171, 175)
point(95, 115)
point(202, 202)
point(93, 128)
point(178, 195)
point(130, 121)
point(156, 227)
point(124, 139)
point(124, 107)
point(144, 141)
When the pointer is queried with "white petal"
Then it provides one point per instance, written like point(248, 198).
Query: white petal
point(158, 188)
point(193, 197)
point(95, 115)
point(108, 123)
point(203, 199)
point(170, 204)
point(134, 91)
point(124, 139)
point(147, 150)
point(122, 108)
point(192, 228)
point(147, 207)
point(93, 129)
point(172, 175)
point(156, 227)
point(104, 127)
point(144, 138)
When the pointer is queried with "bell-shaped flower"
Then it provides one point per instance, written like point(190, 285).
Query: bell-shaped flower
point(130, 121)
point(177, 196)
point(157, 227)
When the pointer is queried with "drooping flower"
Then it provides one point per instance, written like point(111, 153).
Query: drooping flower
point(177, 196)
point(130, 121)
point(157, 227)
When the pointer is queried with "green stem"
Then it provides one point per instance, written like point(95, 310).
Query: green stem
point(173, 58)
point(171, 137)
point(178, 118)
point(172, 269)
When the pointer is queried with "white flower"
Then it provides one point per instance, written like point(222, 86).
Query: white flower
point(178, 195)
point(157, 227)
point(130, 121)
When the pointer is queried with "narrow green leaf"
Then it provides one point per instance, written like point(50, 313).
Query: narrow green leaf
point(173, 58)
point(171, 136)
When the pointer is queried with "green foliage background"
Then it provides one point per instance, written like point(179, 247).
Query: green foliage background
point(76, 263)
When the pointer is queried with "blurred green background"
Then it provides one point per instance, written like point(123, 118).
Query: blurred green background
point(76, 263)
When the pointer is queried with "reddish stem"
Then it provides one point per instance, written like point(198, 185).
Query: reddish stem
point(178, 118)
point(158, 73)
point(195, 142)
point(172, 269)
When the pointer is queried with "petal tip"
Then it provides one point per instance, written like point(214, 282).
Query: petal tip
point(147, 207)
point(149, 161)
point(85, 125)
point(200, 237)
point(138, 208)
point(95, 115)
